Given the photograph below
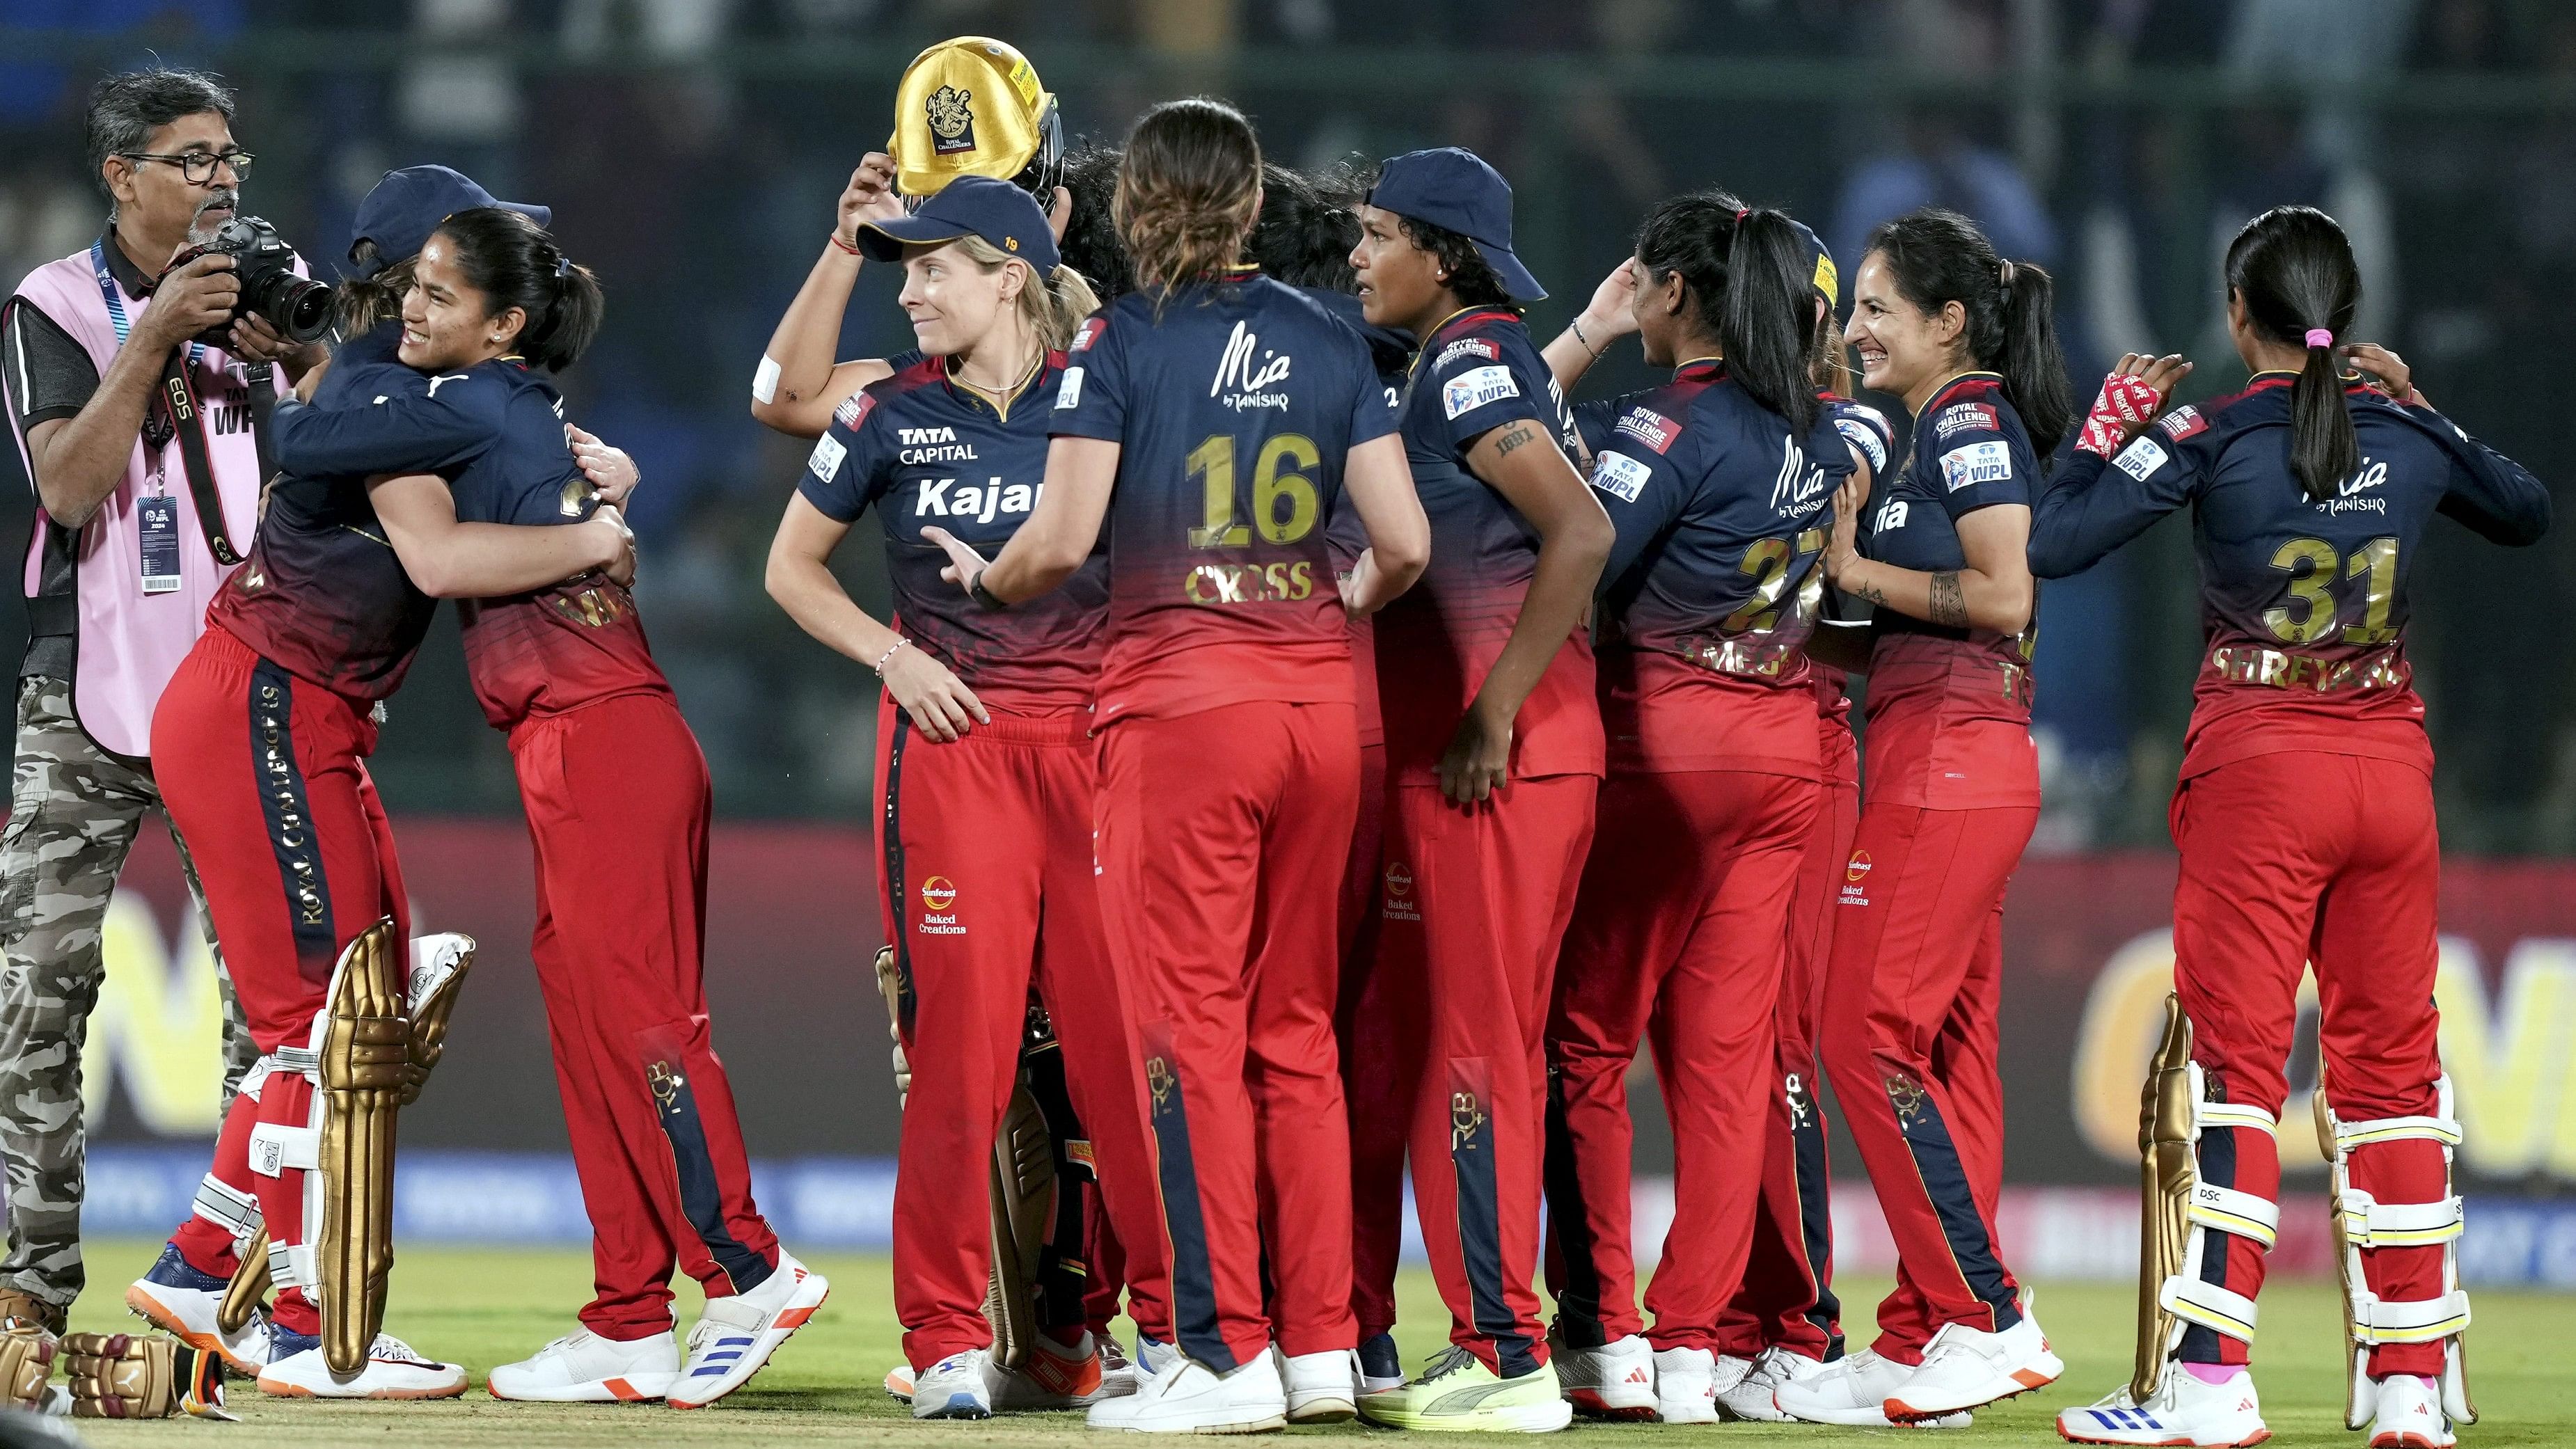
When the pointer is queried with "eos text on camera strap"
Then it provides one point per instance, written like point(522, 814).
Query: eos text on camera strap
point(175, 414)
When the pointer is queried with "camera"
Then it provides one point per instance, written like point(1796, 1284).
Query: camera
point(298, 307)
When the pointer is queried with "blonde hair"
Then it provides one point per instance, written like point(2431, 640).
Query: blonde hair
point(1189, 191)
point(1051, 306)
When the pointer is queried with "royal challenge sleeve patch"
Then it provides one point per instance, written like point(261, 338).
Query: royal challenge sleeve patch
point(1478, 387)
point(1976, 463)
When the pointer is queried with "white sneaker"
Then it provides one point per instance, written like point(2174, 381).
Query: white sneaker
point(1054, 1376)
point(1152, 1358)
point(189, 1315)
point(583, 1368)
point(898, 1383)
point(1965, 1367)
point(1686, 1385)
point(1749, 1396)
point(957, 1387)
point(1852, 1389)
point(1322, 1388)
point(392, 1371)
point(735, 1336)
point(1614, 1381)
point(2185, 1409)
point(1188, 1397)
point(2410, 1415)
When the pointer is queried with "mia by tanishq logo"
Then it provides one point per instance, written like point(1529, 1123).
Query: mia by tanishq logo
point(2348, 492)
point(1246, 381)
point(1800, 488)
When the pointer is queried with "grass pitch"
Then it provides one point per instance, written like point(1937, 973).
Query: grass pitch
point(488, 1307)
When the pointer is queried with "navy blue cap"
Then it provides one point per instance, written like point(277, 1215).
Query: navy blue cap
point(1452, 187)
point(981, 206)
point(407, 205)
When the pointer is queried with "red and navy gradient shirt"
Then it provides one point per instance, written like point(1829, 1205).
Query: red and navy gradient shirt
point(929, 453)
point(1392, 354)
point(1873, 443)
point(1477, 371)
point(1721, 514)
point(2303, 602)
point(1235, 403)
point(1949, 708)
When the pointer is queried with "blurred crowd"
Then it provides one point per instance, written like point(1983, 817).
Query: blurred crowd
point(692, 150)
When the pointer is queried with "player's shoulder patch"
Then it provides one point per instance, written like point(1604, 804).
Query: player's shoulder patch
point(1479, 347)
point(1965, 417)
point(1478, 387)
point(1866, 430)
point(1971, 464)
point(1088, 333)
point(1620, 476)
point(825, 461)
point(854, 407)
point(2183, 422)
point(1649, 427)
point(2141, 458)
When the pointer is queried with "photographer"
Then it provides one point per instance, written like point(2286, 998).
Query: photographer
point(144, 439)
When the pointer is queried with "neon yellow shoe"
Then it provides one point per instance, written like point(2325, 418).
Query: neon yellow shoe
point(1457, 1392)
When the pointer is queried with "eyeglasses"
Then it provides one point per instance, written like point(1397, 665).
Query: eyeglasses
point(199, 166)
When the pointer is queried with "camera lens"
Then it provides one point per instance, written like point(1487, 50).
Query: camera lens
point(302, 309)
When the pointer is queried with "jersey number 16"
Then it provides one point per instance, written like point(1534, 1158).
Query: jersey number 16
point(1277, 478)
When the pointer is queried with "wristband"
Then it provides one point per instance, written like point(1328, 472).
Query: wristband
point(888, 657)
point(1576, 327)
point(975, 590)
point(845, 246)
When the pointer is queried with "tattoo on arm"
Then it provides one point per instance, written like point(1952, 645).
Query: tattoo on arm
point(1869, 595)
point(1949, 605)
point(1518, 434)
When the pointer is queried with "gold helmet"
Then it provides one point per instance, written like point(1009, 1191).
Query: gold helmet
point(973, 107)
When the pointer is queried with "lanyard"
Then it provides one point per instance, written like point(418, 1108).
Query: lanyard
point(107, 289)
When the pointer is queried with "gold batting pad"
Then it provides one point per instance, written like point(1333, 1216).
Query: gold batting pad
point(249, 1287)
point(1023, 1209)
point(2347, 1272)
point(2167, 1172)
point(135, 1376)
point(26, 1362)
point(432, 999)
point(890, 986)
point(366, 1071)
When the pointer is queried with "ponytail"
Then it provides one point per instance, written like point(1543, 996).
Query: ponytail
point(1938, 257)
point(1745, 276)
point(2294, 270)
point(1189, 191)
point(514, 262)
point(1765, 323)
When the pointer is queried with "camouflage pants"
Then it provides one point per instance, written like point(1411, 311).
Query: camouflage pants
point(72, 818)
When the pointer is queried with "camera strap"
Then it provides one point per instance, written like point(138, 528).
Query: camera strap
point(188, 421)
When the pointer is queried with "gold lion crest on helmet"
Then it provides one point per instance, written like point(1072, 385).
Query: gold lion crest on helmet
point(952, 120)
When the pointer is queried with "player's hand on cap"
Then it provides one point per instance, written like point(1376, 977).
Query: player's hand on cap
point(870, 196)
point(1612, 312)
point(1479, 758)
point(940, 704)
point(609, 469)
point(1059, 212)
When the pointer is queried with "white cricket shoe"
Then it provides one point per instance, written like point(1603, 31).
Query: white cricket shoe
point(1852, 1389)
point(1188, 1397)
point(2410, 1415)
point(392, 1371)
point(583, 1368)
point(182, 1301)
point(735, 1336)
point(1965, 1367)
point(959, 1386)
point(1057, 1376)
point(898, 1383)
point(2184, 1410)
point(1614, 1381)
point(1152, 1358)
point(1749, 1395)
point(1322, 1388)
point(1686, 1386)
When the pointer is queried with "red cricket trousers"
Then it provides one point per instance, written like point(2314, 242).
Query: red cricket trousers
point(985, 869)
point(1787, 1298)
point(2300, 858)
point(263, 774)
point(1682, 924)
point(1381, 1022)
point(1222, 834)
point(618, 802)
point(1913, 987)
point(1477, 900)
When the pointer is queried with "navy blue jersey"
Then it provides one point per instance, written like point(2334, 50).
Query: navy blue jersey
point(1235, 401)
point(1476, 372)
point(1391, 352)
point(929, 453)
point(1721, 515)
point(2303, 602)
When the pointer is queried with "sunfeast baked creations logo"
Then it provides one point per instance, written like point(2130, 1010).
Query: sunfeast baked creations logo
point(939, 907)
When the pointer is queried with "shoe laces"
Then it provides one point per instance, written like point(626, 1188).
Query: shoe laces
point(1453, 1359)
